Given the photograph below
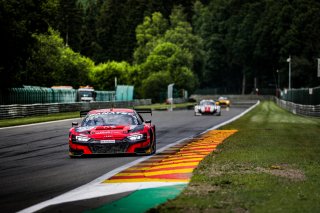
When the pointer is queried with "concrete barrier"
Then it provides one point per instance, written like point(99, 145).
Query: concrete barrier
point(23, 110)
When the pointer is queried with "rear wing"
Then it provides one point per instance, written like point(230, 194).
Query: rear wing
point(83, 113)
point(148, 110)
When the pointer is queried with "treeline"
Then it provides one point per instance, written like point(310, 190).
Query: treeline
point(230, 44)
point(247, 42)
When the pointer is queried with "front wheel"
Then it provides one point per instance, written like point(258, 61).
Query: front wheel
point(154, 148)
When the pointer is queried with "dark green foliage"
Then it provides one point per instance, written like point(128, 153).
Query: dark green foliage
point(18, 21)
point(53, 63)
point(166, 52)
point(69, 22)
point(232, 44)
point(253, 39)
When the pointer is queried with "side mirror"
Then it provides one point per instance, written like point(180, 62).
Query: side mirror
point(148, 121)
point(74, 124)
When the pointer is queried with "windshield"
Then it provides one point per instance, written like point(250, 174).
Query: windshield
point(223, 98)
point(110, 119)
point(86, 93)
point(207, 103)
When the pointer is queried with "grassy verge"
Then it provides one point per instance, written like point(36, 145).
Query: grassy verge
point(271, 165)
point(38, 119)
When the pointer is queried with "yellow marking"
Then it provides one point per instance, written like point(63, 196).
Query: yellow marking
point(175, 171)
point(200, 147)
point(173, 158)
point(145, 180)
point(168, 162)
point(179, 160)
point(164, 166)
point(188, 152)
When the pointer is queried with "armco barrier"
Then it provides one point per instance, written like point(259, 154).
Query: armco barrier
point(22, 110)
point(307, 110)
point(233, 98)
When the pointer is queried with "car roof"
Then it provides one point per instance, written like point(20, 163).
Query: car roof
point(111, 110)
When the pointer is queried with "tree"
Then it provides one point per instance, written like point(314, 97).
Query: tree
point(52, 63)
point(147, 34)
point(181, 34)
point(155, 85)
point(103, 74)
point(89, 43)
point(168, 49)
point(18, 21)
point(69, 22)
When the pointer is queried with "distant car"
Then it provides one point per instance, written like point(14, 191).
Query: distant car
point(113, 131)
point(207, 107)
point(224, 101)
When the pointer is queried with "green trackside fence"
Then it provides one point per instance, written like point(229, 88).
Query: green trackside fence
point(33, 95)
point(307, 96)
point(105, 96)
point(124, 93)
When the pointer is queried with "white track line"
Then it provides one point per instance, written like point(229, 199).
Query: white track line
point(96, 188)
point(41, 123)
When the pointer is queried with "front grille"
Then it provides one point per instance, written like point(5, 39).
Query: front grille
point(114, 148)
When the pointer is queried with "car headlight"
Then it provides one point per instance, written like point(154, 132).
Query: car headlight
point(136, 137)
point(82, 138)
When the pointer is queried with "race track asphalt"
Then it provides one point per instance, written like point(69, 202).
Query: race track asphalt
point(35, 166)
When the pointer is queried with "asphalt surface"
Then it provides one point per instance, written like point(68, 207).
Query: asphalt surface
point(35, 166)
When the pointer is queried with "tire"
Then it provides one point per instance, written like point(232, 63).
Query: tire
point(154, 144)
point(154, 148)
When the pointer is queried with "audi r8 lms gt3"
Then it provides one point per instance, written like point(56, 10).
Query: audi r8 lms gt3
point(112, 131)
point(224, 101)
point(207, 107)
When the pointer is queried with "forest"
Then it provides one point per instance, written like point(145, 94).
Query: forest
point(230, 45)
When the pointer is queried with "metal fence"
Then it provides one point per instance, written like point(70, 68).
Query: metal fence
point(106, 95)
point(300, 109)
point(22, 110)
point(31, 95)
point(305, 96)
point(124, 93)
point(42, 95)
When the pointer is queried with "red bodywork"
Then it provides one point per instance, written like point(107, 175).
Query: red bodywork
point(138, 138)
point(207, 109)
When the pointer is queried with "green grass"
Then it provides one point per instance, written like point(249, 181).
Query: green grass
point(38, 119)
point(271, 165)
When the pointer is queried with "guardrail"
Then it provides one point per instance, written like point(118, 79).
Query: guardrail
point(307, 110)
point(23, 110)
point(233, 98)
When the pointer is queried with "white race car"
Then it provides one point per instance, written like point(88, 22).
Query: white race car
point(207, 107)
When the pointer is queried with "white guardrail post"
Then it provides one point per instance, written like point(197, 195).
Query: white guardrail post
point(306, 110)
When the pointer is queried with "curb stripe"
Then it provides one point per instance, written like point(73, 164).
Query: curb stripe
point(166, 166)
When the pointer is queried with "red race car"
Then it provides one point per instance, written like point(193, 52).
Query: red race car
point(112, 131)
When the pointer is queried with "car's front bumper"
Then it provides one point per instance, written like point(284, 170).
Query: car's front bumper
point(119, 147)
